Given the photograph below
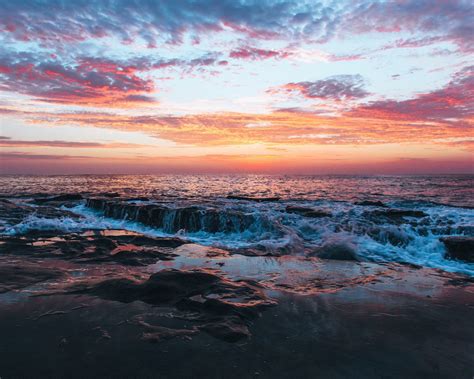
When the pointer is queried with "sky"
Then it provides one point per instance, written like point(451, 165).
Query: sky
point(236, 86)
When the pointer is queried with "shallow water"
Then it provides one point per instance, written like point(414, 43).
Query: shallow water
point(447, 203)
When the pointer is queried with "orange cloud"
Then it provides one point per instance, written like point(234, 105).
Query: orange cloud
point(279, 127)
point(7, 142)
point(442, 117)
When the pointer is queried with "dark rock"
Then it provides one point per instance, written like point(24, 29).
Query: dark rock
point(59, 198)
point(462, 281)
point(222, 306)
point(157, 333)
point(461, 248)
point(167, 286)
point(14, 277)
point(389, 234)
point(400, 213)
point(371, 203)
point(337, 250)
point(13, 213)
point(231, 330)
point(250, 198)
point(126, 248)
point(172, 220)
point(395, 215)
point(308, 212)
point(109, 194)
point(412, 265)
point(254, 252)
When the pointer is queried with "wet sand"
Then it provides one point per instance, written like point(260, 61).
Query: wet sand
point(174, 309)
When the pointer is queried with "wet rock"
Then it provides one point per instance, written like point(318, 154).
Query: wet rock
point(231, 330)
point(371, 203)
point(59, 198)
point(157, 333)
point(258, 251)
point(167, 286)
point(401, 213)
point(389, 234)
point(308, 212)
point(13, 277)
point(172, 220)
point(123, 247)
point(462, 281)
point(411, 265)
point(109, 194)
point(337, 250)
point(222, 307)
point(461, 248)
point(103, 334)
point(13, 213)
point(250, 198)
point(397, 216)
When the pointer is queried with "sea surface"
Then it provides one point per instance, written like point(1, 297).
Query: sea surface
point(277, 226)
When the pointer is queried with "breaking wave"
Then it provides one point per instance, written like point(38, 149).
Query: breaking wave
point(397, 231)
point(410, 234)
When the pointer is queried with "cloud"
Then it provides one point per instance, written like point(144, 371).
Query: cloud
point(447, 20)
point(88, 80)
point(453, 103)
point(428, 118)
point(8, 142)
point(291, 53)
point(253, 53)
point(54, 22)
point(337, 88)
point(20, 155)
point(279, 127)
point(81, 82)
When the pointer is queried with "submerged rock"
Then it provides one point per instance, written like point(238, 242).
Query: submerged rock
point(371, 203)
point(308, 212)
point(459, 247)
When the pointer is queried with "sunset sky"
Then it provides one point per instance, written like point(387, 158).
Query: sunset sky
point(223, 86)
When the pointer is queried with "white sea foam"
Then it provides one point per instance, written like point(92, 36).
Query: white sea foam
point(278, 231)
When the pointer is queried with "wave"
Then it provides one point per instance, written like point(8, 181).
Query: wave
point(398, 232)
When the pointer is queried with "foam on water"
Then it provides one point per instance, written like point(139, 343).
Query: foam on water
point(297, 235)
point(270, 227)
point(62, 224)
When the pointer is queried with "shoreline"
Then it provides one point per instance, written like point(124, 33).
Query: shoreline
point(328, 318)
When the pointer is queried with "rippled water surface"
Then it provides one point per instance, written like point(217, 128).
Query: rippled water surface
point(198, 208)
point(450, 189)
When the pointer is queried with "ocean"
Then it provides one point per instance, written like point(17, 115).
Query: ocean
point(372, 218)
